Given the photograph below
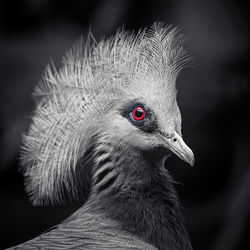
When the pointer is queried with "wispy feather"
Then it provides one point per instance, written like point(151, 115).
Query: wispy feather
point(94, 77)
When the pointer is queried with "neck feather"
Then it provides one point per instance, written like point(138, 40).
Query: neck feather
point(139, 194)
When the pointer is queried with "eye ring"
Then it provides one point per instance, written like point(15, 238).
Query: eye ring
point(138, 113)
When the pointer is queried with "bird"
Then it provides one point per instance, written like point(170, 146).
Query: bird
point(103, 128)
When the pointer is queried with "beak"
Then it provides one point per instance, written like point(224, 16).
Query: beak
point(176, 144)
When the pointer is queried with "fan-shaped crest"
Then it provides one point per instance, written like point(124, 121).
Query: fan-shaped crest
point(92, 80)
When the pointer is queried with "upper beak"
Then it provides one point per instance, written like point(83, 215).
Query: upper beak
point(178, 146)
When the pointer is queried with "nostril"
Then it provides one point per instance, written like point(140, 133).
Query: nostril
point(174, 139)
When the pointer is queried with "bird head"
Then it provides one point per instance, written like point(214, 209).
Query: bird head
point(148, 125)
point(121, 91)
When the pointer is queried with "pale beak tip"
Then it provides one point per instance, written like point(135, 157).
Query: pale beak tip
point(191, 159)
point(191, 163)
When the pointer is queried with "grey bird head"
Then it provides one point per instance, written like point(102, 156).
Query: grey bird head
point(121, 91)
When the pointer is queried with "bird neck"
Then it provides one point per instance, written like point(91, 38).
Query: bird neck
point(139, 193)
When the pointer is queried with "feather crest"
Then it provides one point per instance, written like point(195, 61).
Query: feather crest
point(90, 83)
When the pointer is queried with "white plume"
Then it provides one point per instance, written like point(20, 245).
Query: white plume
point(90, 83)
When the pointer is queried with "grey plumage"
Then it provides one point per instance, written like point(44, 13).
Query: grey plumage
point(103, 127)
point(90, 231)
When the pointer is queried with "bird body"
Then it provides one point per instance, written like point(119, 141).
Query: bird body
point(88, 231)
point(103, 128)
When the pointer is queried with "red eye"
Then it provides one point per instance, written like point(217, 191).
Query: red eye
point(138, 113)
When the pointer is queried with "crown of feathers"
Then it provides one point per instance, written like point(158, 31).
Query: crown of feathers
point(92, 79)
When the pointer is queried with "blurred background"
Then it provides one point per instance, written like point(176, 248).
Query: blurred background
point(214, 98)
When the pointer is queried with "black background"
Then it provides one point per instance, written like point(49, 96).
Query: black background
point(214, 98)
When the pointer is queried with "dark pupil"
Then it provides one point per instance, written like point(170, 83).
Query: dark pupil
point(139, 112)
